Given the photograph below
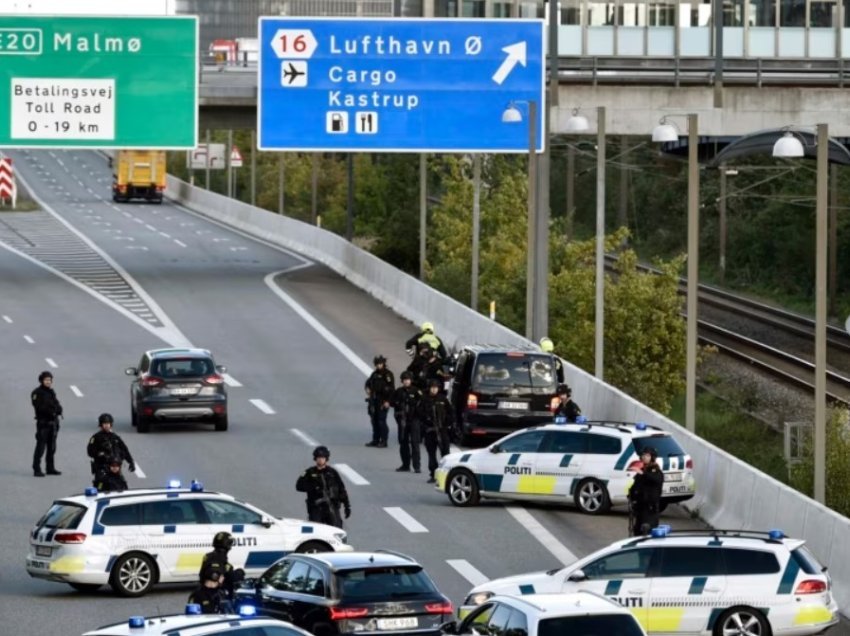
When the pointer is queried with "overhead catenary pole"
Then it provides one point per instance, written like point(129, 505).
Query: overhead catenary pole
point(229, 163)
point(476, 228)
point(532, 219)
point(693, 273)
point(253, 167)
point(833, 239)
point(722, 224)
point(207, 160)
point(599, 346)
point(717, 11)
point(822, 218)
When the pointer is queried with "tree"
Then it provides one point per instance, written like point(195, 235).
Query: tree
point(837, 463)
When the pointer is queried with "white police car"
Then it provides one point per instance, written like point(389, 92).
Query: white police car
point(580, 613)
point(717, 582)
point(136, 538)
point(193, 623)
point(589, 463)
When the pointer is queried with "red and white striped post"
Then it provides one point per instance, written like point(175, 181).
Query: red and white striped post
point(8, 189)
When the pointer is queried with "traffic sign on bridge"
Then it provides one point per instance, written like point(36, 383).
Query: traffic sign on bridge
point(116, 82)
point(399, 85)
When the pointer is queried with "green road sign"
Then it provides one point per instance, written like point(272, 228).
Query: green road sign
point(100, 82)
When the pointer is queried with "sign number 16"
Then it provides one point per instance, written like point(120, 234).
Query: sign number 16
point(294, 43)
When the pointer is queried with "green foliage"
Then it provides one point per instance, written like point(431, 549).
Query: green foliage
point(837, 463)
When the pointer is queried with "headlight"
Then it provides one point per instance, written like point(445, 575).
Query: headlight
point(342, 537)
point(477, 598)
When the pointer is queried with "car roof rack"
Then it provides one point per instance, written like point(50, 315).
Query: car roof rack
point(762, 535)
point(525, 348)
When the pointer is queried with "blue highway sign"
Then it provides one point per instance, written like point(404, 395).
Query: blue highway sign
point(396, 85)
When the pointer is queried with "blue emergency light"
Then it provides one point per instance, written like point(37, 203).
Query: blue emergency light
point(90, 491)
point(560, 419)
point(196, 486)
point(659, 532)
point(174, 483)
point(193, 608)
point(776, 534)
point(667, 528)
point(247, 610)
point(137, 622)
point(581, 419)
point(641, 426)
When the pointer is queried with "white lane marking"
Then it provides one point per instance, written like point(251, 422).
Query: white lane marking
point(467, 571)
point(7, 319)
point(139, 472)
point(180, 243)
point(51, 363)
point(165, 235)
point(28, 339)
point(304, 437)
point(409, 523)
point(138, 220)
point(76, 391)
point(265, 408)
point(151, 228)
point(558, 549)
point(338, 344)
point(229, 380)
point(352, 475)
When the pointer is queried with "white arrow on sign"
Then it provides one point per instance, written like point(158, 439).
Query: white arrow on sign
point(516, 55)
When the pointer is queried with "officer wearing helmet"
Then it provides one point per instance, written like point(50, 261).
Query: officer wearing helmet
point(566, 407)
point(216, 563)
point(379, 391)
point(106, 444)
point(48, 410)
point(112, 479)
point(437, 420)
point(547, 346)
point(426, 366)
point(645, 493)
point(405, 401)
point(209, 594)
point(426, 334)
point(325, 490)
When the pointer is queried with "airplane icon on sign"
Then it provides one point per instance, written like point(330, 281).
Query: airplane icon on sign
point(293, 73)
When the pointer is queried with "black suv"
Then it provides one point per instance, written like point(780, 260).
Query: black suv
point(177, 384)
point(497, 390)
point(349, 592)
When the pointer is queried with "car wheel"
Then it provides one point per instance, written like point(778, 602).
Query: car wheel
point(741, 621)
point(221, 424)
point(143, 424)
point(592, 498)
point(133, 575)
point(87, 588)
point(462, 489)
point(312, 547)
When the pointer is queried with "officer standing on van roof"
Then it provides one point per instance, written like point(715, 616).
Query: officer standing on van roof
point(427, 335)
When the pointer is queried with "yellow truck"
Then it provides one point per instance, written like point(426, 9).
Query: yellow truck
point(138, 174)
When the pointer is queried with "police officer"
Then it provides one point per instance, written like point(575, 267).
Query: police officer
point(112, 479)
point(379, 389)
point(437, 421)
point(106, 444)
point(47, 414)
point(405, 400)
point(547, 346)
point(426, 335)
point(425, 367)
point(216, 562)
point(645, 493)
point(325, 490)
point(566, 407)
point(208, 594)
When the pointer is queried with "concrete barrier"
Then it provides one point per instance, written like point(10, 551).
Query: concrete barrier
point(731, 494)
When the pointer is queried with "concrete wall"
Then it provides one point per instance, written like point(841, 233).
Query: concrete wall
point(731, 494)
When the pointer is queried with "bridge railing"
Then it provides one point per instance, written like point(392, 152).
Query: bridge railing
point(730, 493)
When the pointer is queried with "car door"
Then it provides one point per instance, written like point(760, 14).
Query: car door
point(600, 461)
point(621, 576)
point(511, 464)
point(178, 533)
point(687, 584)
point(558, 464)
point(272, 592)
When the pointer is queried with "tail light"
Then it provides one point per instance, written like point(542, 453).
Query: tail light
point(342, 613)
point(150, 380)
point(635, 466)
point(811, 586)
point(440, 608)
point(214, 379)
point(554, 403)
point(219, 409)
point(69, 537)
point(689, 464)
point(472, 401)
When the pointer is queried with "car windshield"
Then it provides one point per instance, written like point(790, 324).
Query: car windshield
point(182, 368)
point(598, 625)
point(515, 370)
point(62, 516)
point(664, 444)
point(367, 584)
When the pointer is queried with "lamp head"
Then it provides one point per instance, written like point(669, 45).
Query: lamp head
point(664, 132)
point(577, 123)
point(788, 146)
point(511, 115)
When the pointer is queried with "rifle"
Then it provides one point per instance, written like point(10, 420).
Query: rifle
point(330, 498)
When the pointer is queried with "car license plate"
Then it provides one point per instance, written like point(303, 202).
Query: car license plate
point(43, 550)
point(517, 406)
point(398, 623)
point(672, 476)
point(183, 391)
point(39, 565)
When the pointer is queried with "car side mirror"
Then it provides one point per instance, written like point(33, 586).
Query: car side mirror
point(221, 368)
point(266, 522)
point(495, 448)
point(577, 576)
point(131, 371)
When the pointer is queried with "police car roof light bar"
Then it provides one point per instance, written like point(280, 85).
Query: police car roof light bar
point(136, 622)
point(90, 491)
point(196, 486)
point(247, 610)
point(768, 536)
point(193, 608)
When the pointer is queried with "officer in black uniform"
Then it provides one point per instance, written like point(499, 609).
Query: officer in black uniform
point(216, 562)
point(106, 444)
point(405, 400)
point(567, 408)
point(47, 414)
point(645, 493)
point(209, 593)
point(325, 490)
point(112, 479)
point(437, 421)
point(425, 367)
point(379, 389)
